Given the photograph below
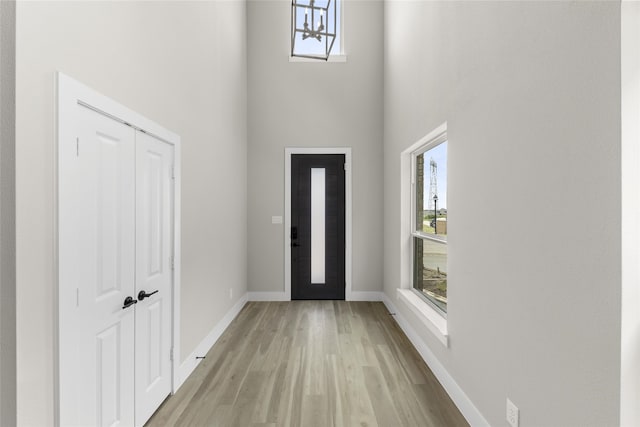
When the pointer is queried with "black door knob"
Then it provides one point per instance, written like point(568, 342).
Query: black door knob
point(128, 302)
point(142, 294)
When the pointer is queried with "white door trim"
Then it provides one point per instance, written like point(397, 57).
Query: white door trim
point(70, 93)
point(288, 151)
point(630, 206)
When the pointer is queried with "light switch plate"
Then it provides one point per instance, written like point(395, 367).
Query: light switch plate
point(276, 220)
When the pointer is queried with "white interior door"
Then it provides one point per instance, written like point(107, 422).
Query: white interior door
point(97, 256)
point(154, 273)
point(118, 234)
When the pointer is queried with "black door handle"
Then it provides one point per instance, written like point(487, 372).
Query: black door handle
point(294, 245)
point(142, 294)
point(128, 302)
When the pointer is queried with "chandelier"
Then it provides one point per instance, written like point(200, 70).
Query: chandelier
point(313, 28)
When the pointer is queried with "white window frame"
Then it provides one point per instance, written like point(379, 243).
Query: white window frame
point(439, 139)
point(431, 317)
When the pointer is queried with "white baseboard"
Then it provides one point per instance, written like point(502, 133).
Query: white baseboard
point(462, 401)
point(365, 296)
point(190, 363)
point(267, 296)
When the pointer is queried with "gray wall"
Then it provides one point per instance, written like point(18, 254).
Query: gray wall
point(531, 94)
point(7, 214)
point(313, 105)
point(183, 65)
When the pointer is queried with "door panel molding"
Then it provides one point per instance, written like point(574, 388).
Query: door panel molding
point(153, 274)
point(96, 270)
point(70, 95)
point(288, 152)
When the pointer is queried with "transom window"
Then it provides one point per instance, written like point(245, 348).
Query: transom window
point(429, 222)
point(316, 27)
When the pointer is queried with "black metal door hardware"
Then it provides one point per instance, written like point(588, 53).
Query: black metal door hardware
point(128, 302)
point(142, 294)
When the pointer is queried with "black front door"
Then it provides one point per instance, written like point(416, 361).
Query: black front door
point(317, 226)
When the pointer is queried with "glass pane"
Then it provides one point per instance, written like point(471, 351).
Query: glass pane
point(330, 18)
point(430, 270)
point(317, 224)
point(431, 191)
point(311, 46)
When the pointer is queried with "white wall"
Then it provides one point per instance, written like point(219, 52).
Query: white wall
point(183, 65)
point(7, 215)
point(531, 94)
point(313, 105)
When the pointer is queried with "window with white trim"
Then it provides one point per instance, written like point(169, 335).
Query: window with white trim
point(429, 225)
point(314, 15)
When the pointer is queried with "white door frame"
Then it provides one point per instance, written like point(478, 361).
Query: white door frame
point(70, 93)
point(288, 152)
point(630, 155)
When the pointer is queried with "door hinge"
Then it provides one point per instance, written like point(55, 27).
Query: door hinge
point(173, 172)
point(173, 263)
point(77, 147)
point(171, 354)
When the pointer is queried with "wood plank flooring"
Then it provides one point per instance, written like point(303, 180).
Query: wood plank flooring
point(311, 363)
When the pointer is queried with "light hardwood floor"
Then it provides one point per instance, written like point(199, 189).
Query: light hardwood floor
point(311, 363)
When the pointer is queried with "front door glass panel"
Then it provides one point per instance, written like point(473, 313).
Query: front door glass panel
point(318, 225)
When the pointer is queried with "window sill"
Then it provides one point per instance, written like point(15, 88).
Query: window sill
point(332, 58)
point(434, 322)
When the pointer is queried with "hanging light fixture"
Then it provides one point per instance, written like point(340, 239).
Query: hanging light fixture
point(313, 28)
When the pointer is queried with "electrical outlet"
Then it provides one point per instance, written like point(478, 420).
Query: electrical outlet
point(513, 414)
point(230, 293)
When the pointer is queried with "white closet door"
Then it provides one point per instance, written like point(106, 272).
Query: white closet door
point(154, 275)
point(97, 265)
